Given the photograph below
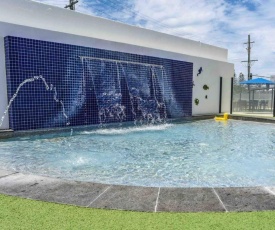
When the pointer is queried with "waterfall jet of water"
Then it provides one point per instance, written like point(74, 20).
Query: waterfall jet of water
point(144, 83)
point(47, 87)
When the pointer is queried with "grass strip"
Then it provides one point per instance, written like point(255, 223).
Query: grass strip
point(19, 213)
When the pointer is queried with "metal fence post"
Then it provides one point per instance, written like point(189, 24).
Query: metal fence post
point(220, 102)
point(231, 99)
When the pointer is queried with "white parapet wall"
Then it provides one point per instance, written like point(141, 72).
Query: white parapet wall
point(3, 87)
point(37, 15)
point(27, 19)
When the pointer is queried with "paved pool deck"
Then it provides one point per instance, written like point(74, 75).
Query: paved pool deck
point(145, 199)
point(133, 198)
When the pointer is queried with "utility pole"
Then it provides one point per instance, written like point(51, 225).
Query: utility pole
point(71, 5)
point(249, 61)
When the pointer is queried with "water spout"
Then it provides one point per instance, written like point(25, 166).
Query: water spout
point(47, 87)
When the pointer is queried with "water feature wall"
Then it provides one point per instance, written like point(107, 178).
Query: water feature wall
point(68, 85)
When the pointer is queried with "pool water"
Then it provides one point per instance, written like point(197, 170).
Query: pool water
point(191, 154)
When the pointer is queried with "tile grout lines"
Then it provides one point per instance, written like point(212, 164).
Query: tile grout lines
point(220, 199)
point(156, 206)
point(99, 195)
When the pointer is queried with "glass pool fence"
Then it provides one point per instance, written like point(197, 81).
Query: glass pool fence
point(253, 99)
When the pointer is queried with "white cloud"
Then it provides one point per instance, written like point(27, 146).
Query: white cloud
point(216, 22)
point(219, 23)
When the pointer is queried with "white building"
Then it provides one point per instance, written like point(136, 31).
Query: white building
point(32, 20)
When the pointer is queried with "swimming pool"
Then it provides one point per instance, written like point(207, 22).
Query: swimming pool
point(190, 154)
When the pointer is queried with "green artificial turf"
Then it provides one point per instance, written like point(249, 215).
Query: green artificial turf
point(18, 213)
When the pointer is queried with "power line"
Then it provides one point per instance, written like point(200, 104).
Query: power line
point(156, 23)
point(118, 7)
point(135, 13)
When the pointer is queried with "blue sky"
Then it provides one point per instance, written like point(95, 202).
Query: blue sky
point(224, 23)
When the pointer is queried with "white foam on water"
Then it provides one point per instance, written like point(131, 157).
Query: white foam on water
point(203, 144)
point(122, 131)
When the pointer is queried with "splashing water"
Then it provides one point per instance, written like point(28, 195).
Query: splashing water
point(47, 87)
point(147, 101)
point(59, 101)
point(122, 131)
point(144, 83)
point(107, 91)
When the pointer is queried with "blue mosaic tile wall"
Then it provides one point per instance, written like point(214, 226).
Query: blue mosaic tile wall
point(57, 88)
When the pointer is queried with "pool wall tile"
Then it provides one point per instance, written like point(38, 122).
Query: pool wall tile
point(70, 91)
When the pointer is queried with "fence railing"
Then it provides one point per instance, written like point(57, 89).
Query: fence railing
point(253, 100)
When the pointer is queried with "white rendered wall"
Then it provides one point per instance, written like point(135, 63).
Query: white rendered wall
point(37, 15)
point(3, 86)
point(226, 90)
point(212, 71)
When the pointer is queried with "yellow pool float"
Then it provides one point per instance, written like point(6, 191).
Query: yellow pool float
point(224, 118)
